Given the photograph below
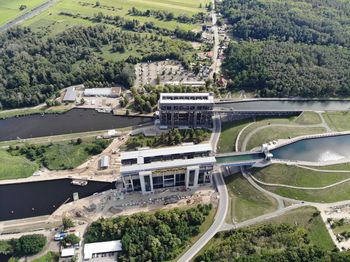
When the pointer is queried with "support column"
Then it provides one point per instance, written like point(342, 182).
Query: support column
point(143, 175)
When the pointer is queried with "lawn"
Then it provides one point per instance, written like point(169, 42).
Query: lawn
point(334, 194)
point(56, 22)
point(9, 9)
point(273, 133)
point(15, 166)
point(303, 217)
point(338, 120)
point(246, 201)
point(296, 176)
point(308, 118)
point(48, 257)
point(229, 133)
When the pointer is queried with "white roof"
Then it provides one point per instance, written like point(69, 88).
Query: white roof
point(187, 98)
point(97, 91)
point(71, 94)
point(67, 252)
point(165, 151)
point(167, 164)
point(101, 247)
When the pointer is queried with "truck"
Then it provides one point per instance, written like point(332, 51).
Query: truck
point(59, 237)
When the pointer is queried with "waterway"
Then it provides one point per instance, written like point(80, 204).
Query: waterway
point(230, 159)
point(316, 149)
point(287, 105)
point(73, 121)
point(42, 198)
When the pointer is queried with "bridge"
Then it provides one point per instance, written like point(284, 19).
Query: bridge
point(239, 158)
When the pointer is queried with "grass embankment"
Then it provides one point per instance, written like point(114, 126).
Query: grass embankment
point(338, 120)
point(12, 167)
point(10, 9)
point(273, 133)
point(41, 110)
point(229, 133)
point(297, 176)
point(55, 22)
point(63, 155)
point(308, 118)
point(301, 217)
point(334, 194)
point(246, 201)
point(48, 257)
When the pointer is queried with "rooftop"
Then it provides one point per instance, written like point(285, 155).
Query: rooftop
point(186, 97)
point(101, 247)
point(189, 148)
point(71, 94)
point(167, 164)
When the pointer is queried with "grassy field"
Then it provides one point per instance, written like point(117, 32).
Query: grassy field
point(48, 257)
point(296, 176)
point(302, 217)
point(229, 132)
point(15, 166)
point(308, 118)
point(9, 9)
point(41, 110)
point(246, 202)
point(273, 133)
point(338, 120)
point(55, 22)
point(334, 194)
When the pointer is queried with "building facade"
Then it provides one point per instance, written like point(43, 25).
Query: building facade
point(186, 109)
point(148, 169)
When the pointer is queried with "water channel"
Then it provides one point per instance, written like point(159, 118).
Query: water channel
point(73, 121)
point(316, 149)
point(287, 105)
point(42, 198)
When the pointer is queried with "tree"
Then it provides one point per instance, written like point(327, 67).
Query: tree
point(97, 3)
point(79, 141)
point(31, 244)
point(67, 222)
point(82, 101)
point(70, 239)
point(22, 7)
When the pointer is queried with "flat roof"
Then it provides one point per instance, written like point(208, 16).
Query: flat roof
point(166, 151)
point(208, 98)
point(70, 95)
point(100, 92)
point(167, 164)
point(67, 252)
point(101, 247)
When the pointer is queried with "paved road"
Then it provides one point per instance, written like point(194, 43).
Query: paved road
point(216, 41)
point(35, 11)
point(223, 203)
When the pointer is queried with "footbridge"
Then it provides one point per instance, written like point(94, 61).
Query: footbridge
point(239, 158)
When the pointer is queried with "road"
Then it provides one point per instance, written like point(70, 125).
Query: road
point(31, 13)
point(216, 41)
point(223, 203)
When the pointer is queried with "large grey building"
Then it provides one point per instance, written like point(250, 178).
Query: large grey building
point(148, 169)
point(186, 109)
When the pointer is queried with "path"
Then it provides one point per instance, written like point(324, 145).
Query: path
point(324, 122)
point(324, 170)
point(214, 66)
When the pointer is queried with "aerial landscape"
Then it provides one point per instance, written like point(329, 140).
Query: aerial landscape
point(174, 130)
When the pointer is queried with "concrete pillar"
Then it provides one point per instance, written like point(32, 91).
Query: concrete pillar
point(187, 176)
point(142, 176)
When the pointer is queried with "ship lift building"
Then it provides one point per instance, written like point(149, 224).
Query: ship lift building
point(186, 109)
point(148, 169)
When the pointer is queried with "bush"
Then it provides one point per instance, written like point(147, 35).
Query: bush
point(71, 239)
point(67, 222)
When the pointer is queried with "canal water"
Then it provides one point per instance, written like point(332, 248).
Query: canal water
point(73, 121)
point(44, 196)
point(228, 159)
point(316, 149)
point(287, 105)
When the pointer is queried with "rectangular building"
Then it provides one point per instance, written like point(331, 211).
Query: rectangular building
point(148, 169)
point(107, 92)
point(186, 109)
point(70, 95)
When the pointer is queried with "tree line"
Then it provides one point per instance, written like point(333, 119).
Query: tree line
point(26, 245)
point(158, 236)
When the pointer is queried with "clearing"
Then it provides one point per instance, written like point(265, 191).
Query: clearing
point(338, 120)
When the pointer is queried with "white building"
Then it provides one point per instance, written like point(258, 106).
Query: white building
point(104, 162)
point(107, 92)
point(93, 249)
point(187, 165)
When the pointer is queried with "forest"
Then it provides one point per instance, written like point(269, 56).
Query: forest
point(293, 48)
point(158, 236)
point(281, 243)
point(26, 245)
point(34, 68)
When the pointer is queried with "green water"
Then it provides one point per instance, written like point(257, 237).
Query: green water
point(229, 159)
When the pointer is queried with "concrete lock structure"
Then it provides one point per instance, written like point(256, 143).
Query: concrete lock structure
point(186, 109)
point(148, 169)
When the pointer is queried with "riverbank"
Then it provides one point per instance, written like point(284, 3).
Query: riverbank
point(34, 111)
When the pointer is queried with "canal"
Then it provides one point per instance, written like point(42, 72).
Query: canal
point(42, 198)
point(316, 149)
point(287, 105)
point(73, 121)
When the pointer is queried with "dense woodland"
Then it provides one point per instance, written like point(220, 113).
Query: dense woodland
point(289, 48)
point(26, 245)
point(268, 243)
point(158, 236)
point(33, 68)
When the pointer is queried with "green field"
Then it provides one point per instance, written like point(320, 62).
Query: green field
point(54, 22)
point(229, 133)
point(273, 133)
point(246, 201)
point(334, 194)
point(296, 176)
point(338, 120)
point(9, 9)
point(308, 118)
point(48, 257)
point(15, 166)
